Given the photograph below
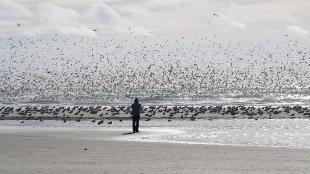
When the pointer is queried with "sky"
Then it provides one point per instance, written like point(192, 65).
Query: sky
point(242, 19)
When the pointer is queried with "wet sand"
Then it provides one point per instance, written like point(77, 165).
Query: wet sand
point(58, 152)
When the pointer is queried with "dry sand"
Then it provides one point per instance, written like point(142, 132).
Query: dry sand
point(63, 152)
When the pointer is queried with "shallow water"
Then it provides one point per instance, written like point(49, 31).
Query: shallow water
point(269, 133)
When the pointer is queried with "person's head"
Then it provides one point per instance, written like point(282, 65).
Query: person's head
point(136, 100)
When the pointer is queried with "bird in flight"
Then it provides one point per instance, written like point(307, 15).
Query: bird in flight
point(216, 15)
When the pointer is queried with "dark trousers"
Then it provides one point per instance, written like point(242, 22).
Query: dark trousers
point(135, 124)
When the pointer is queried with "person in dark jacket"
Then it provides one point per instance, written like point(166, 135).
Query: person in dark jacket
point(135, 111)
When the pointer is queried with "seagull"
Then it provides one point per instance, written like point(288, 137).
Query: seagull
point(216, 15)
point(100, 122)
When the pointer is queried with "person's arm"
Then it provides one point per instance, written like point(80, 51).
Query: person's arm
point(130, 116)
point(140, 108)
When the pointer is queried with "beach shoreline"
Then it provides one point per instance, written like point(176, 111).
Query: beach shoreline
point(290, 133)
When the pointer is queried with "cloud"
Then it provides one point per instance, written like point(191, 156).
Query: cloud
point(297, 30)
point(52, 18)
point(237, 18)
point(10, 14)
point(245, 20)
point(100, 12)
point(101, 16)
point(11, 10)
point(44, 18)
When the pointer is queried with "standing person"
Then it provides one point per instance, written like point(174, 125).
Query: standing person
point(135, 111)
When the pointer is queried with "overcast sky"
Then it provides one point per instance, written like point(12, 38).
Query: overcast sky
point(235, 18)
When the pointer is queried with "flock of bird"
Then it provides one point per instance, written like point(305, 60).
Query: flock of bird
point(71, 69)
point(97, 114)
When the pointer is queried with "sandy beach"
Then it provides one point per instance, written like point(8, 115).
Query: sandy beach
point(81, 151)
